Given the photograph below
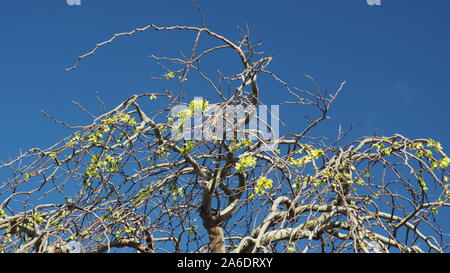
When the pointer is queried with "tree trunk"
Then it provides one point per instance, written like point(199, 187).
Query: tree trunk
point(217, 242)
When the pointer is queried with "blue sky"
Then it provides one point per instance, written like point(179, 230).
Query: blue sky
point(394, 58)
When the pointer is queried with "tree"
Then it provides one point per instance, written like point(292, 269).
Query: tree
point(132, 179)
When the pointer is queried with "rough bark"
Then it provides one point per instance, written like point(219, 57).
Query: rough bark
point(217, 241)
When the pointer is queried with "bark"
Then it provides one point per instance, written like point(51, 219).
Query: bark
point(217, 241)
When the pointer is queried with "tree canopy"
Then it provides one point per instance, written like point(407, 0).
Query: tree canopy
point(125, 180)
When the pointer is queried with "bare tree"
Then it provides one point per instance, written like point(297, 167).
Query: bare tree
point(124, 181)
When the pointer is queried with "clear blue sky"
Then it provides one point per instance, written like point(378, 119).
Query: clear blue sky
point(395, 58)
